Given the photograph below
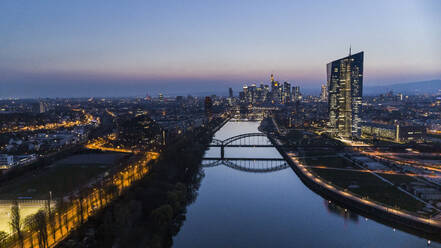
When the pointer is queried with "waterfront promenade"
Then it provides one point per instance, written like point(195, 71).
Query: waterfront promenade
point(383, 212)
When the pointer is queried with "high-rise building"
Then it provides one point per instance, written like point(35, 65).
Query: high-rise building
point(345, 86)
point(246, 93)
point(276, 91)
point(286, 95)
point(266, 93)
point(252, 93)
point(208, 103)
point(242, 96)
point(324, 93)
point(296, 95)
point(230, 92)
point(42, 107)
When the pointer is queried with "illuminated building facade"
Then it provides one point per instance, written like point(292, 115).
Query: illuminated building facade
point(276, 91)
point(394, 133)
point(324, 93)
point(296, 95)
point(286, 96)
point(345, 89)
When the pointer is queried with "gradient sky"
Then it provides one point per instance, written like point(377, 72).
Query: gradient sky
point(84, 48)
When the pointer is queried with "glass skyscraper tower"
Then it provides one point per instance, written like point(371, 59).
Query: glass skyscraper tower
point(345, 88)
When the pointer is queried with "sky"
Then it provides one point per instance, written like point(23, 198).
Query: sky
point(133, 48)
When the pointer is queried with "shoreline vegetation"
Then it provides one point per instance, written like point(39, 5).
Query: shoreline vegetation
point(140, 203)
point(153, 209)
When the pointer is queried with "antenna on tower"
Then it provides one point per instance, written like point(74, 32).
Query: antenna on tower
point(349, 49)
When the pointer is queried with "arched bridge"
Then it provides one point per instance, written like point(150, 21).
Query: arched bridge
point(242, 140)
point(249, 165)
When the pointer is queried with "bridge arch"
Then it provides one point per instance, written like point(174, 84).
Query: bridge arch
point(261, 169)
point(229, 141)
point(217, 142)
point(266, 166)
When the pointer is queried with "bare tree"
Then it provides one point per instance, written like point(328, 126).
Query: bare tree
point(100, 194)
point(41, 224)
point(30, 225)
point(4, 238)
point(80, 209)
point(61, 210)
point(15, 222)
point(51, 218)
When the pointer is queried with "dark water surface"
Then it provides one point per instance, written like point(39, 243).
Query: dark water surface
point(242, 209)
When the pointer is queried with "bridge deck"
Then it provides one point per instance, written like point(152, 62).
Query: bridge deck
point(246, 159)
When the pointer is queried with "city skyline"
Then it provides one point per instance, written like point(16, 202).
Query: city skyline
point(53, 48)
point(226, 123)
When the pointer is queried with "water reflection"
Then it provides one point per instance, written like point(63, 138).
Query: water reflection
point(253, 165)
point(345, 213)
point(237, 209)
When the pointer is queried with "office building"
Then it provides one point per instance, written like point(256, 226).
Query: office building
point(345, 86)
point(395, 133)
point(324, 93)
point(296, 95)
point(286, 93)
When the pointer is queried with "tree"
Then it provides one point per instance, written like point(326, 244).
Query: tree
point(61, 210)
point(51, 219)
point(162, 216)
point(80, 209)
point(31, 227)
point(15, 222)
point(41, 225)
point(110, 190)
point(4, 238)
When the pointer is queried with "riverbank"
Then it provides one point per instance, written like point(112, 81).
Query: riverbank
point(151, 212)
point(430, 228)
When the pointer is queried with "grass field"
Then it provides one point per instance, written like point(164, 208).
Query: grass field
point(366, 184)
point(333, 162)
point(371, 187)
point(62, 177)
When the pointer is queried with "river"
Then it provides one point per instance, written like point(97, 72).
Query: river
point(242, 209)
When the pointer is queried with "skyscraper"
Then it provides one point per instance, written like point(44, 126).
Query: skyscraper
point(42, 107)
point(324, 93)
point(230, 92)
point(345, 88)
point(208, 103)
point(286, 95)
point(245, 93)
point(296, 95)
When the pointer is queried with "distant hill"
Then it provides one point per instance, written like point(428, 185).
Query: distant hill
point(413, 88)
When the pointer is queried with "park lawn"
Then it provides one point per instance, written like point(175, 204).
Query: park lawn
point(398, 179)
point(371, 187)
point(332, 162)
point(318, 152)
